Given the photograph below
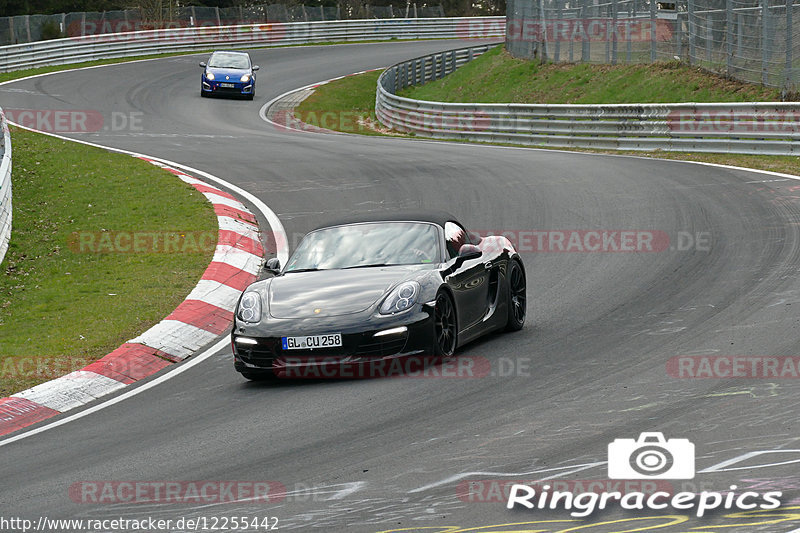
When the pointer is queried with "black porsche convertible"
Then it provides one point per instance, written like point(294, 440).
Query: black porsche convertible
point(378, 287)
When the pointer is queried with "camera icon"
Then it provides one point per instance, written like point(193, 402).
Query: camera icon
point(651, 457)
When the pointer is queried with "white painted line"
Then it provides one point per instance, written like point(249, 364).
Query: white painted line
point(561, 471)
point(175, 338)
point(70, 391)
point(176, 370)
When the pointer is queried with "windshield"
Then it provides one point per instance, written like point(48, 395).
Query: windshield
point(223, 60)
point(370, 244)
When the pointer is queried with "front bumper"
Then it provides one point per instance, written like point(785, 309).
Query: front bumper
point(239, 88)
point(360, 349)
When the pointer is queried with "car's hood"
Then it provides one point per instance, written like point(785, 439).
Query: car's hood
point(329, 293)
point(234, 73)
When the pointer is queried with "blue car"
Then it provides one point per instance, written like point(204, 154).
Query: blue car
point(229, 73)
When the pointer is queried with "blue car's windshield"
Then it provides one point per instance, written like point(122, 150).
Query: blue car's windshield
point(369, 244)
point(227, 60)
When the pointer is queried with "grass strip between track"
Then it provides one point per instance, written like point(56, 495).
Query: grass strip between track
point(348, 104)
point(75, 284)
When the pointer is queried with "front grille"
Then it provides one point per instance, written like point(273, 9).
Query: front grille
point(382, 348)
point(261, 354)
point(356, 345)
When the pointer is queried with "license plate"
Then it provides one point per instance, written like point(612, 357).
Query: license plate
point(227, 85)
point(311, 342)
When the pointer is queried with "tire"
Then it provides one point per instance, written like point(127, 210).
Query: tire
point(250, 96)
point(517, 298)
point(445, 326)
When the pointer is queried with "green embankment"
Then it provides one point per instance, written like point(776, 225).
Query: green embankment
point(497, 77)
point(73, 285)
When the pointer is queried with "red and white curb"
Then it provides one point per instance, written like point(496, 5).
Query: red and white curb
point(202, 317)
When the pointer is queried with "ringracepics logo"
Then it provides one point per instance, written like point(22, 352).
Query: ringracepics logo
point(652, 457)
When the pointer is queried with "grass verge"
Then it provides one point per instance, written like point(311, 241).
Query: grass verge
point(355, 95)
point(61, 306)
point(342, 105)
point(496, 77)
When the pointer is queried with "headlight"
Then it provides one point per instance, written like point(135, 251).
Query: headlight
point(250, 307)
point(245, 78)
point(209, 75)
point(401, 298)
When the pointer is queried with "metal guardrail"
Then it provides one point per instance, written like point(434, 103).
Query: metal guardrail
point(769, 128)
point(116, 45)
point(5, 186)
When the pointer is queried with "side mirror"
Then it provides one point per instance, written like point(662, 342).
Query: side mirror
point(467, 252)
point(256, 68)
point(203, 64)
point(273, 265)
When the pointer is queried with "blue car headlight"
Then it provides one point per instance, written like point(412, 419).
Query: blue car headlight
point(209, 76)
point(245, 78)
point(402, 298)
point(250, 308)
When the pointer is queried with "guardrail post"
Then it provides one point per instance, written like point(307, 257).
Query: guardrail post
point(585, 43)
point(739, 34)
point(729, 36)
point(5, 187)
point(764, 40)
point(559, 20)
point(709, 37)
point(614, 16)
point(545, 53)
point(690, 26)
point(678, 35)
point(653, 42)
point(789, 77)
point(628, 37)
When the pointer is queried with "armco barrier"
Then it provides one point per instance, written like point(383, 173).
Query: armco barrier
point(116, 45)
point(5, 186)
point(770, 128)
